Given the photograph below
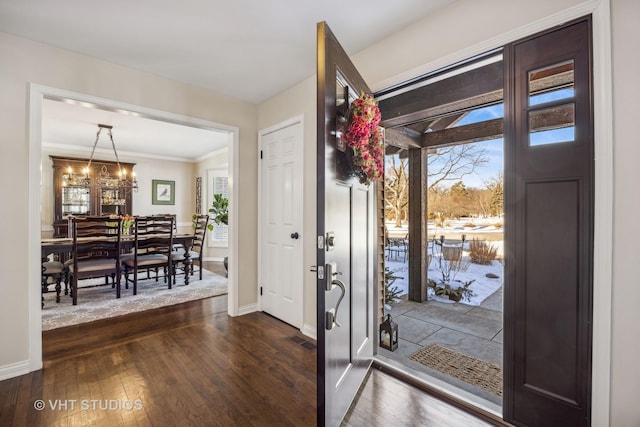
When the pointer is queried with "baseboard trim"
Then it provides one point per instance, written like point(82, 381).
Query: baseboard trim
point(246, 309)
point(14, 370)
point(310, 331)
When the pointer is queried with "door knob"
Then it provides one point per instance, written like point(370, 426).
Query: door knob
point(295, 235)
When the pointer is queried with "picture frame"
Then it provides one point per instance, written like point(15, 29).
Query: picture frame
point(163, 192)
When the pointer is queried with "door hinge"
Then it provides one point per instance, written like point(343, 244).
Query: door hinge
point(260, 290)
point(261, 154)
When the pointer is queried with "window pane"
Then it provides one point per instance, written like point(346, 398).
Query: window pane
point(481, 114)
point(551, 83)
point(552, 125)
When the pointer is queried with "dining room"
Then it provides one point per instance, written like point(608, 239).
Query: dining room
point(97, 160)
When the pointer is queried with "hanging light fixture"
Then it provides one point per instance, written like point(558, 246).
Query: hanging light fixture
point(126, 180)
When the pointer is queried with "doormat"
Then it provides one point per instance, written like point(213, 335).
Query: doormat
point(479, 373)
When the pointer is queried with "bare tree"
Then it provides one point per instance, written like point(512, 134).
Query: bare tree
point(396, 189)
point(453, 162)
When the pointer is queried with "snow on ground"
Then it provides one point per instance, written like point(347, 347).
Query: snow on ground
point(482, 286)
point(489, 229)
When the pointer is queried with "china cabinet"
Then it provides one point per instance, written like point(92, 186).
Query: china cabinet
point(94, 193)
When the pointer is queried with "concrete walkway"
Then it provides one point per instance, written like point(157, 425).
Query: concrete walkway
point(474, 331)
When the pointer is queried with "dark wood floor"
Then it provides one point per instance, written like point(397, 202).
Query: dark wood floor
point(190, 365)
point(387, 401)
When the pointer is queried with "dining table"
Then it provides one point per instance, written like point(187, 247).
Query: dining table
point(64, 245)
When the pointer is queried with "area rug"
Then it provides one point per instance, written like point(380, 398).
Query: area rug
point(99, 302)
point(479, 373)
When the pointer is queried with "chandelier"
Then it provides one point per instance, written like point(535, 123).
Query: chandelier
point(125, 180)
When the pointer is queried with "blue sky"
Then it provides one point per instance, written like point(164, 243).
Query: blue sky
point(494, 148)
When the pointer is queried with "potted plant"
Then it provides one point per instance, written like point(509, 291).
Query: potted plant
point(219, 213)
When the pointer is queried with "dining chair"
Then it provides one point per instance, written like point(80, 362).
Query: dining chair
point(52, 271)
point(153, 240)
point(200, 226)
point(96, 251)
point(68, 259)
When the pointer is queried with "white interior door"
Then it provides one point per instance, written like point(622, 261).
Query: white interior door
point(281, 279)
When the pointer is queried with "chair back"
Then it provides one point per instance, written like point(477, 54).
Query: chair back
point(201, 224)
point(96, 236)
point(96, 250)
point(154, 234)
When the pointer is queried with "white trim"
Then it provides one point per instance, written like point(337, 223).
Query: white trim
point(603, 216)
point(604, 186)
point(33, 234)
point(37, 93)
point(310, 330)
point(299, 119)
point(234, 254)
point(15, 369)
point(246, 309)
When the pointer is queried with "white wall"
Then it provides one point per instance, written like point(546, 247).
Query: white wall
point(28, 62)
point(625, 381)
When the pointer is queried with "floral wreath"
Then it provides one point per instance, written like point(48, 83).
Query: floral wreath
point(365, 137)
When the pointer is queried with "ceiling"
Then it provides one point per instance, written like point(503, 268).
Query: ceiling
point(73, 126)
point(246, 49)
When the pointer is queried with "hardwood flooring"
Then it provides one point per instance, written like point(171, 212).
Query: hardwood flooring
point(387, 401)
point(192, 365)
point(188, 365)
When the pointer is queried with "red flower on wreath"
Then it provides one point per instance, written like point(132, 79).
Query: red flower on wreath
point(365, 138)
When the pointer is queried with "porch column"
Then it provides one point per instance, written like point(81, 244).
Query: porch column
point(418, 224)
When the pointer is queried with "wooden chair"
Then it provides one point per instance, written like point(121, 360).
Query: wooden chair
point(68, 260)
point(153, 242)
point(398, 246)
point(201, 224)
point(52, 271)
point(96, 251)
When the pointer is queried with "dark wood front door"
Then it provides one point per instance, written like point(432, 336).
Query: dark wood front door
point(549, 228)
point(345, 246)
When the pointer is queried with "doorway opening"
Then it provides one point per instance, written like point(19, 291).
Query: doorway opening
point(227, 155)
point(449, 323)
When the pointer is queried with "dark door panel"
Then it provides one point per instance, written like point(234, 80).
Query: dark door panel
point(346, 249)
point(549, 237)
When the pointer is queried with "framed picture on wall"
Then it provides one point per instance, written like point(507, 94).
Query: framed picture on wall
point(163, 192)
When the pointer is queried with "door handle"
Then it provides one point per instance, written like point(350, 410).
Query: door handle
point(331, 316)
point(295, 235)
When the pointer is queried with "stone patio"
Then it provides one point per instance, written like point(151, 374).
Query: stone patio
point(474, 331)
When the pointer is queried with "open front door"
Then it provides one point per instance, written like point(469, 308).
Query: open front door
point(346, 244)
